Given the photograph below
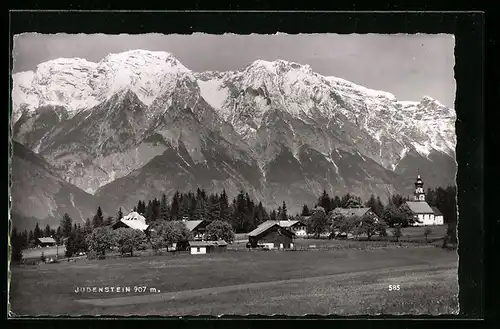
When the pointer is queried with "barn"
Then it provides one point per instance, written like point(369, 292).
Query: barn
point(271, 235)
point(206, 247)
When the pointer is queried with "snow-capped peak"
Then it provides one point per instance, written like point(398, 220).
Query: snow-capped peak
point(76, 83)
point(278, 66)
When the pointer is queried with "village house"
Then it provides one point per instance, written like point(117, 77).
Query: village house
point(46, 242)
point(295, 226)
point(425, 214)
point(271, 235)
point(133, 220)
point(356, 212)
point(206, 247)
point(197, 228)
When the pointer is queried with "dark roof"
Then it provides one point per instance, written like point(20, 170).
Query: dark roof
point(436, 211)
point(191, 224)
point(359, 212)
point(263, 227)
point(46, 240)
point(267, 225)
point(220, 243)
point(290, 223)
point(420, 207)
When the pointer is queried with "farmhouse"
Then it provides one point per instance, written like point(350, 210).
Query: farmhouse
point(46, 242)
point(358, 212)
point(295, 226)
point(197, 228)
point(425, 214)
point(205, 247)
point(271, 235)
point(133, 220)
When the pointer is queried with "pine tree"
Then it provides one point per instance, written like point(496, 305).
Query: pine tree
point(200, 212)
point(87, 227)
point(379, 208)
point(372, 204)
point(164, 208)
point(336, 202)
point(31, 238)
point(324, 201)
point(24, 241)
point(344, 200)
point(284, 213)
point(273, 215)
point(46, 232)
point(225, 210)
point(109, 221)
point(305, 211)
point(174, 209)
point(149, 213)
point(98, 219)
point(213, 208)
point(37, 233)
point(119, 215)
point(59, 234)
point(156, 210)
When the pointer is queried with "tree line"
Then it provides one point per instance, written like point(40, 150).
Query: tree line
point(243, 214)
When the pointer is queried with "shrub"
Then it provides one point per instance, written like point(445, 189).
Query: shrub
point(219, 230)
point(100, 240)
point(128, 239)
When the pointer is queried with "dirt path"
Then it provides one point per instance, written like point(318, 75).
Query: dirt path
point(159, 297)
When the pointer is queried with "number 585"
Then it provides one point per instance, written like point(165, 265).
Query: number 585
point(394, 287)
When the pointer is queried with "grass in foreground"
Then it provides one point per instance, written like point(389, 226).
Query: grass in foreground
point(49, 289)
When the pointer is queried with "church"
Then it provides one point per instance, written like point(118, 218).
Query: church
point(426, 214)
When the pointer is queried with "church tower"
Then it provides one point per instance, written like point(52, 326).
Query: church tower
point(419, 189)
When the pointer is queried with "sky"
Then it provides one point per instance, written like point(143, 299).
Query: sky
point(408, 66)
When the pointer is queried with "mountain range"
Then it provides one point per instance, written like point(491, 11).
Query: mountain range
point(139, 123)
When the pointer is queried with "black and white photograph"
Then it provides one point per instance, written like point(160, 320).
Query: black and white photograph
point(203, 174)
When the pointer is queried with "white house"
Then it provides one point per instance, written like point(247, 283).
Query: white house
point(296, 226)
point(133, 220)
point(205, 247)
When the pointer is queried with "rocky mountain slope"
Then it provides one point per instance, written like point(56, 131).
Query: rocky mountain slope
point(40, 195)
point(140, 123)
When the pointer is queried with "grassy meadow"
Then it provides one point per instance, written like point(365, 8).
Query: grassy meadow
point(345, 282)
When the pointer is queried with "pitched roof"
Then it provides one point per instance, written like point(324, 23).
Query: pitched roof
point(266, 226)
point(352, 211)
point(420, 207)
point(289, 223)
point(191, 224)
point(263, 227)
point(135, 220)
point(437, 212)
point(46, 240)
point(220, 243)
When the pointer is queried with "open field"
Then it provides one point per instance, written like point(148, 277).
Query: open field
point(36, 253)
point(294, 283)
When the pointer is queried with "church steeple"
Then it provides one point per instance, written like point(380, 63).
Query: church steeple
point(419, 189)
